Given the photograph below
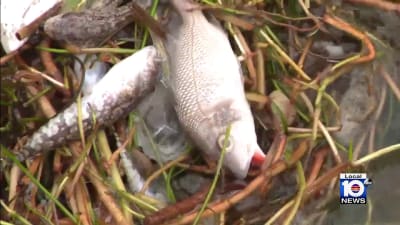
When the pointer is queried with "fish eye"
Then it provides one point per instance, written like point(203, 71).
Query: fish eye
point(229, 145)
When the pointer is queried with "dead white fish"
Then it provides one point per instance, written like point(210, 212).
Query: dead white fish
point(113, 97)
point(18, 14)
point(207, 85)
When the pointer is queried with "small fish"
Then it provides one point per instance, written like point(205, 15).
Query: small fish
point(207, 84)
point(113, 97)
point(92, 27)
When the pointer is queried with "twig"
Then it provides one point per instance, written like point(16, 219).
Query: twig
point(328, 137)
point(275, 153)
point(378, 114)
point(385, 5)
point(161, 171)
point(81, 195)
point(179, 208)
point(258, 98)
point(33, 70)
point(260, 74)
point(304, 53)
point(376, 154)
point(283, 54)
point(116, 153)
point(12, 213)
point(38, 184)
point(12, 187)
point(204, 169)
point(392, 84)
point(318, 162)
point(309, 190)
point(48, 62)
point(216, 177)
point(307, 102)
point(267, 16)
point(4, 59)
point(245, 50)
point(93, 175)
point(30, 28)
point(72, 49)
point(233, 19)
point(106, 198)
point(342, 25)
point(325, 179)
point(308, 13)
point(308, 130)
point(300, 194)
point(44, 103)
point(223, 205)
point(116, 179)
point(359, 145)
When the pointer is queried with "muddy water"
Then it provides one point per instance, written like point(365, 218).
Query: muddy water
point(383, 206)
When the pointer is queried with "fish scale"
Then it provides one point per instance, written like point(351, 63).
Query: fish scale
point(200, 86)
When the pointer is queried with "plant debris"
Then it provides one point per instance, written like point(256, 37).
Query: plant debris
point(322, 80)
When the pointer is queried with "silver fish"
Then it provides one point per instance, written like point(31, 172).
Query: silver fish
point(207, 84)
point(113, 97)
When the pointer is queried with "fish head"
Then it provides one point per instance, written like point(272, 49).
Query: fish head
point(241, 148)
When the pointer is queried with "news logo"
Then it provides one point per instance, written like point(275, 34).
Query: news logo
point(353, 188)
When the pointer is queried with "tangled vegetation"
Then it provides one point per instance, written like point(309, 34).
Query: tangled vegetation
point(335, 65)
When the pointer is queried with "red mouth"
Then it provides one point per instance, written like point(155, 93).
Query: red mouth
point(258, 159)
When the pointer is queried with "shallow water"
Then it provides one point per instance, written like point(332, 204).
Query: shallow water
point(383, 198)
